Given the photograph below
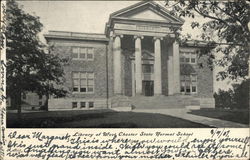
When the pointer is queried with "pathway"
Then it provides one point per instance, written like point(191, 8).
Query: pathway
point(183, 114)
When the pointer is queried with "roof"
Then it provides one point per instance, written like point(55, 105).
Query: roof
point(197, 44)
point(129, 13)
point(75, 36)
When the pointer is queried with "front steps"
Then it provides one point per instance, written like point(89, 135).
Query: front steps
point(124, 103)
point(121, 103)
point(164, 102)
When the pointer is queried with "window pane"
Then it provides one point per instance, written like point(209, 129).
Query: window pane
point(75, 82)
point(182, 89)
point(83, 89)
point(90, 56)
point(193, 60)
point(83, 75)
point(83, 82)
point(83, 104)
point(188, 89)
point(75, 89)
point(83, 50)
point(182, 59)
point(91, 104)
point(74, 104)
point(82, 55)
point(187, 60)
point(90, 89)
point(75, 75)
point(90, 50)
point(193, 88)
point(74, 50)
point(148, 68)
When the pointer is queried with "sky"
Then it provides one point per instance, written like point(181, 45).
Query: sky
point(88, 17)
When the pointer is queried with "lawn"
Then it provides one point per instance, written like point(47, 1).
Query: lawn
point(97, 119)
point(238, 116)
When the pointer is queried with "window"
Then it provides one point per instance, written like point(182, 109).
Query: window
point(74, 104)
point(40, 103)
point(90, 54)
point(83, 82)
point(147, 68)
point(83, 104)
point(82, 53)
point(193, 57)
point(91, 104)
point(188, 57)
point(188, 84)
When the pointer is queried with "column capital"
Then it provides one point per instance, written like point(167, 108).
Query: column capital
point(138, 36)
point(117, 35)
point(157, 37)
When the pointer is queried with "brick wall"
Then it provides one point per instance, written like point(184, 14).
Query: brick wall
point(204, 75)
point(98, 66)
point(205, 79)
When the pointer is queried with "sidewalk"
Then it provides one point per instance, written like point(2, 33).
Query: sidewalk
point(183, 114)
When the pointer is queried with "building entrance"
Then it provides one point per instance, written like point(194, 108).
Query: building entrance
point(148, 88)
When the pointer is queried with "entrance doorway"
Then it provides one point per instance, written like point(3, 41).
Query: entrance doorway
point(148, 88)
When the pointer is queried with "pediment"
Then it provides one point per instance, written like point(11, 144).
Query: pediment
point(147, 55)
point(147, 11)
point(148, 14)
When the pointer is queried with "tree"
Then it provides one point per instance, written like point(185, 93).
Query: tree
point(235, 98)
point(241, 94)
point(227, 27)
point(29, 67)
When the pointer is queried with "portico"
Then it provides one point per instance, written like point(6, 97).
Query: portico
point(146, 28)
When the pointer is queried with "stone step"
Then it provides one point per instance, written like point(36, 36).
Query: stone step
point(161, 102)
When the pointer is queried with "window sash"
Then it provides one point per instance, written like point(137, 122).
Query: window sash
point(83, 82)
point(74, 104)
point(83, 53)
point(188, 84)
point(188, 57)
point(83, 105)
point(91, 104)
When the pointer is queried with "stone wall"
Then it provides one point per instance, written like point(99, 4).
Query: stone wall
point(66, 103)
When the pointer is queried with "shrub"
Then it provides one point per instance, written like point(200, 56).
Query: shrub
point(236, 98)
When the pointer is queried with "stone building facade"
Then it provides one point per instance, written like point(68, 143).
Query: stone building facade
point(137, 57)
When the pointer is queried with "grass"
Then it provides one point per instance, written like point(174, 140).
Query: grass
point(97, 119)
point(238, 116)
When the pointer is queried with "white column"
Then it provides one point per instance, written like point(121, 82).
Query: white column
point(133, 77)
point(170, 65)
point(157, 66)
point(117, 64)
point(138, 65)
point(176, 67)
